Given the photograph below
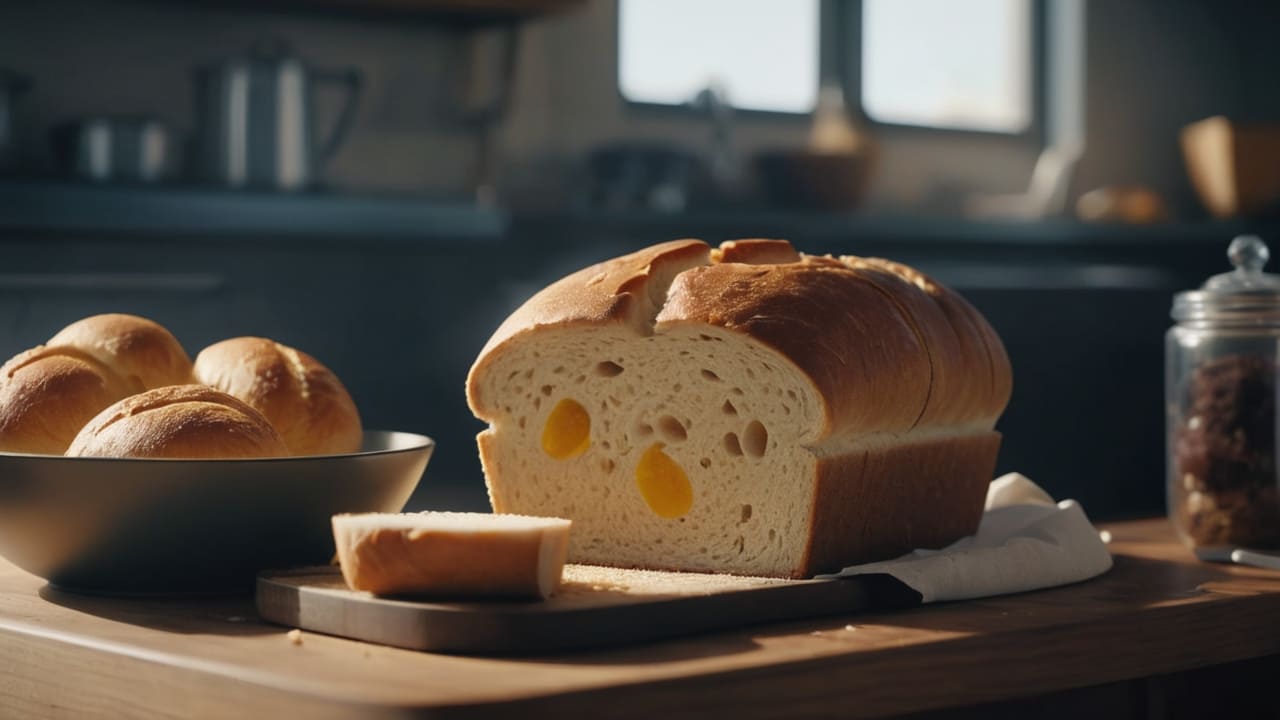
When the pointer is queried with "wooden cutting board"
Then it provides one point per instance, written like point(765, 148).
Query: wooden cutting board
point(595, 607)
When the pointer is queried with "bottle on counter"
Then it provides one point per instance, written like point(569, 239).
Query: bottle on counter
point(1220, 394)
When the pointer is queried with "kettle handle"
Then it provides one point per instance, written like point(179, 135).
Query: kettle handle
point(353, 81)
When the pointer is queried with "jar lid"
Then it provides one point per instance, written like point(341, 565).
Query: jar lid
point(1245, 295)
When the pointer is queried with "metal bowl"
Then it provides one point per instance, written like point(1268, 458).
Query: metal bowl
point(131, 526)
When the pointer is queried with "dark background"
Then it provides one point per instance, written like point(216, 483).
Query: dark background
point(393, 279)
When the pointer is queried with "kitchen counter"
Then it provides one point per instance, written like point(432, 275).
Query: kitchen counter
point(1158, 612)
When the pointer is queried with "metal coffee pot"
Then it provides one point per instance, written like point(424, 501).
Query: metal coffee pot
point(255, 124)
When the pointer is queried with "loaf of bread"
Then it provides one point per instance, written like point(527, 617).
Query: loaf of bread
point(48, 393)
point(302, 398)
point(452, 554)
point(139, 350)
point(179, 421)
point(745, 409)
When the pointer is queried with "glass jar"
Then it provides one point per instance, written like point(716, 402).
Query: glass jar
point(1220, 400)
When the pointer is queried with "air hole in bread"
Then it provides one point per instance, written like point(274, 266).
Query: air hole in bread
point(558, 370)
point(615, 401)
point(737, 391)
point(740, 543)
point(750, 373)
point(772, 535)
point(746, 513)
point(755, 439)
point(537, 403)
point(644, 429)
point(709, 375)
point(672, 430)
point(786, 410)
point(607, 465)
point(528, 374)
point(546, 390)
point(731, 444)
point(705, 463)
point(521, 422)
point(608, 368)
point(728, 409)
point(606, 445)
point(704, 336)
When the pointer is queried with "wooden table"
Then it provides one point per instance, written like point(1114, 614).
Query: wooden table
point(1129, 643)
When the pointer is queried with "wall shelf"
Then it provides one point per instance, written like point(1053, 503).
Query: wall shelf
point(193, 210)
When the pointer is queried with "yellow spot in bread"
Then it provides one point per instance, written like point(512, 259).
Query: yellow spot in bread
point(567, 433)
point(663, 483)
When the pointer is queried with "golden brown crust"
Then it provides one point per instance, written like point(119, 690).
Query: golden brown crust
point(866, 360)
point(908, 352)
point(141, 351)
point(755, 251)
point(303, 399)
point(625, 290)
point(179, 421)
point(880, 504)
point(47, 394)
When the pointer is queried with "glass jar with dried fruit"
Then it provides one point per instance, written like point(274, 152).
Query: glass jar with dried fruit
point(1220, 394)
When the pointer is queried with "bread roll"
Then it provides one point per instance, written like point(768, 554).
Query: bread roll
point(751, 410)
point(137, 349)
point(48, 393)
point(451, 554)
point(305, 402)
point(179, 421)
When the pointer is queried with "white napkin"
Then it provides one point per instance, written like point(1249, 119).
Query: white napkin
point(1024, 542)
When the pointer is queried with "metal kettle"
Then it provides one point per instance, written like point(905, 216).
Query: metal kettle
point(255, 123)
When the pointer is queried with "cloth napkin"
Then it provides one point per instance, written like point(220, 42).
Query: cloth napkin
point(1024, 542)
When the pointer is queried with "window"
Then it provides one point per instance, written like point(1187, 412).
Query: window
point(761, 54)
point(947, 64)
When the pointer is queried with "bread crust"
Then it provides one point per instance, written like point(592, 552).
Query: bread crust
point(910, 352)
point(881, 503)
point(140, 351)
point(303, 399)
point(179, 421)
point(48, 393)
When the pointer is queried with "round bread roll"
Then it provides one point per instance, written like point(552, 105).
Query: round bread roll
point(139, 350)
point(303, 399)
point(48, 393)
point(179, 421)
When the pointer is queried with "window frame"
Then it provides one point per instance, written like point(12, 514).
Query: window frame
point(840, 61)
point(686, 108)
point(847, 14)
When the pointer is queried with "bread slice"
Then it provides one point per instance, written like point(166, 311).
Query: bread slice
point(452, 553)
point(747, 409)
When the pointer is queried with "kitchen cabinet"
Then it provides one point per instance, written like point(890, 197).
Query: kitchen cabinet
point(1159, 636)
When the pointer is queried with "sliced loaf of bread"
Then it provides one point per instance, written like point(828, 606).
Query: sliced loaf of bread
point(745, 409)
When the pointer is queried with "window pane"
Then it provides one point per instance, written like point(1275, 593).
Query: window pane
point(762, 53)
point(948, 63)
